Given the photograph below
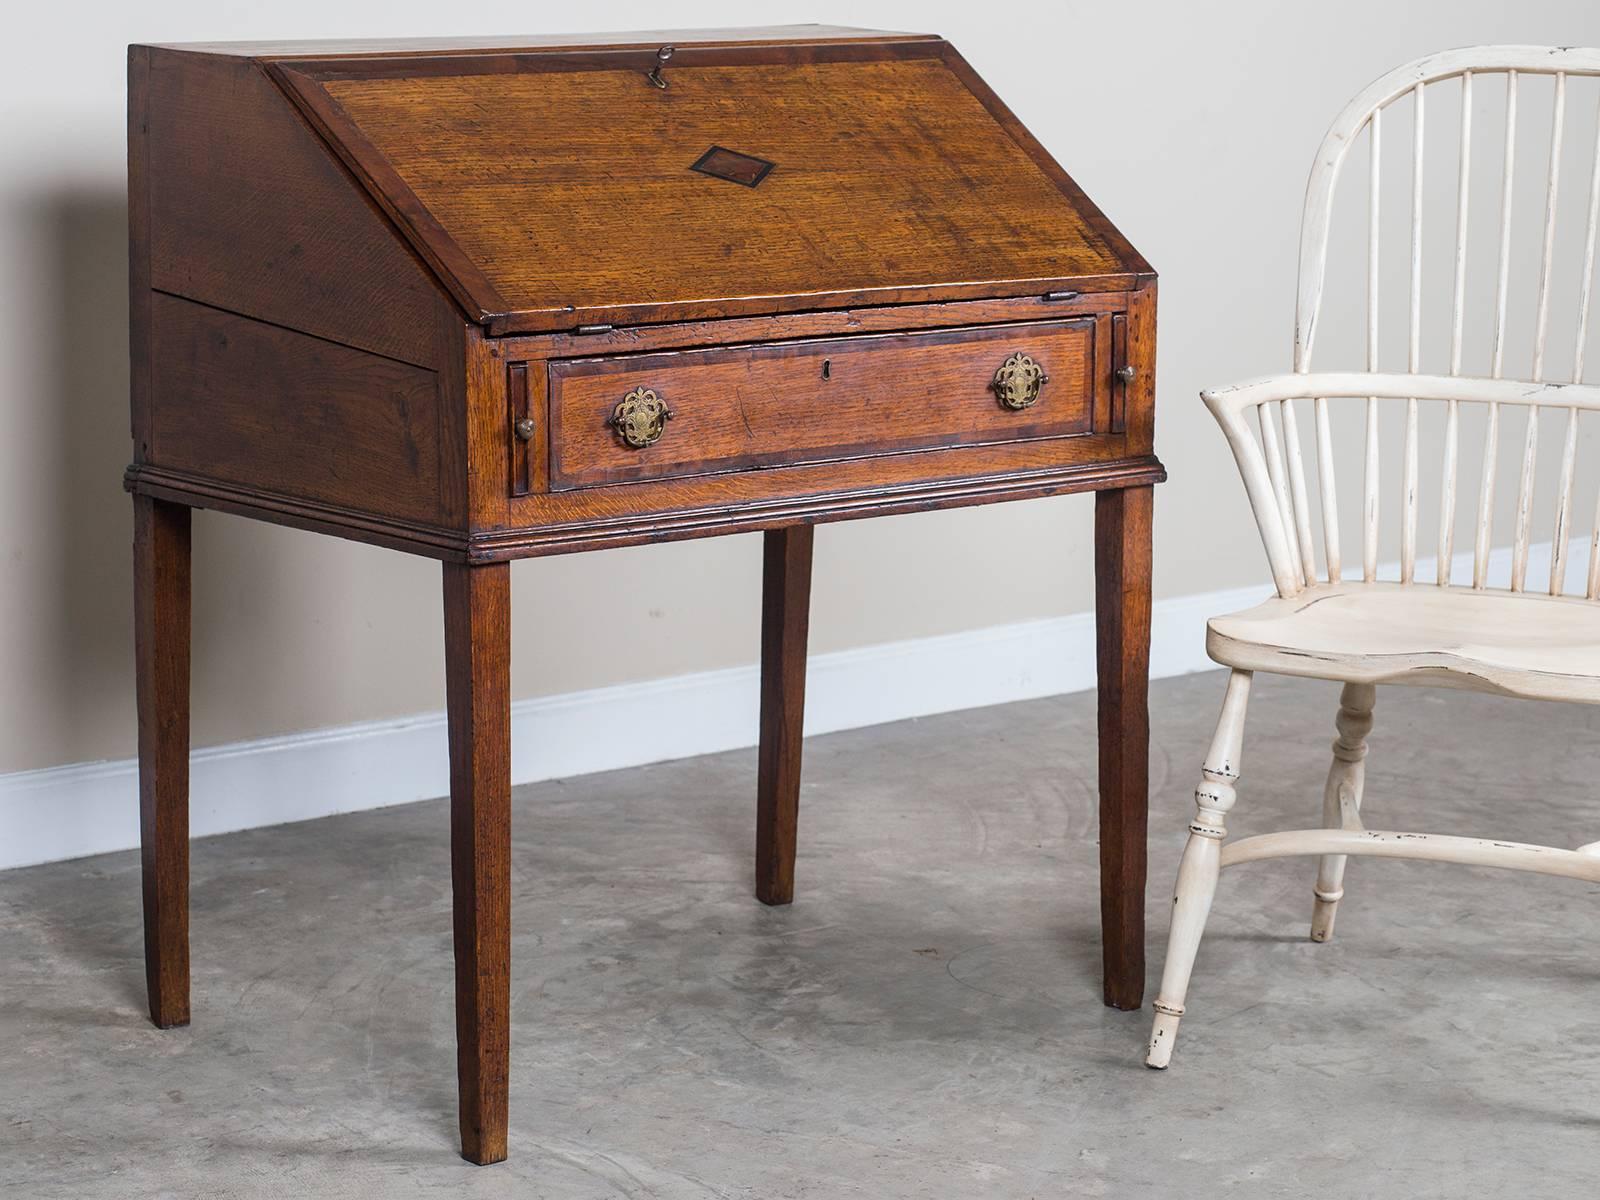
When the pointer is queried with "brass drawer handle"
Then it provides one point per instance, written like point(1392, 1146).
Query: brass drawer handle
point(640, 417)
point(1018, 381)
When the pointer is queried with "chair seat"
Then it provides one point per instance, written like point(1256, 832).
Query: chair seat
point(1516, 644)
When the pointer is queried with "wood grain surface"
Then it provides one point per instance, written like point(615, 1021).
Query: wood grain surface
point(1122, 624)
point(477, 652)
point(248, 211)
point(643, 39)
point(893, 181)
point(735, 409)
point(254, 404)
point(785, 621)
point(161, 608)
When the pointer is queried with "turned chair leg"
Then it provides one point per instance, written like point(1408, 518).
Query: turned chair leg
point(161, 661)
point(1197, 873)
point(477, 655)
point(1341, 798)
point(785, 605)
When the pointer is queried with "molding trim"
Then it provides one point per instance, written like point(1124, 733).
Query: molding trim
point(449, 545)
point(91, 808)
point(915, 496)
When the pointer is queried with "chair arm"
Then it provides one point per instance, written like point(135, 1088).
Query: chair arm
point(1274, 486)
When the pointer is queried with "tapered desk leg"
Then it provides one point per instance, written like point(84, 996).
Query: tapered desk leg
point(477, 652)
point(161, 652)
point(1122, 585)
point(785, 609)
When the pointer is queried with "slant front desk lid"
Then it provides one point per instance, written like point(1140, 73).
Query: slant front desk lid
point(557, 186)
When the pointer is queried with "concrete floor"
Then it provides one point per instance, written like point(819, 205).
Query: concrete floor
point(924, 1022)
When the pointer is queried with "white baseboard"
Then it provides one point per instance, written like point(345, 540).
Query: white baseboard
point(91, 808)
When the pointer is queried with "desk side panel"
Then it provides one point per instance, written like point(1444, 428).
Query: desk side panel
point(283, 416)
point(246, 209)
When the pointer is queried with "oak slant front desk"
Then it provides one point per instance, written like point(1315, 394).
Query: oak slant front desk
point(487, 301)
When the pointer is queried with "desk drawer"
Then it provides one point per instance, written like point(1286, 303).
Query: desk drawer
point(749, 407)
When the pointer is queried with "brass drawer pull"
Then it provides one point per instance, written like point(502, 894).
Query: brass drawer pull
point(1018, 381)
point(640, 417)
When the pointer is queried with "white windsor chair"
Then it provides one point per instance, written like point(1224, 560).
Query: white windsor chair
point(1432, 632)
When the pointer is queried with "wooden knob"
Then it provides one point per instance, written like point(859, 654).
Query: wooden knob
point(640, 418)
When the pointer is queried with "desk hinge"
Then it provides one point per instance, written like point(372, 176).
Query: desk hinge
point(583, 330)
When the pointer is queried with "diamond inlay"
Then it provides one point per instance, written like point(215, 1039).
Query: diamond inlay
point(739, 168)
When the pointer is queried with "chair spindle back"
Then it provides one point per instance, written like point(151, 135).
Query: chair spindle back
point(1272, 458)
